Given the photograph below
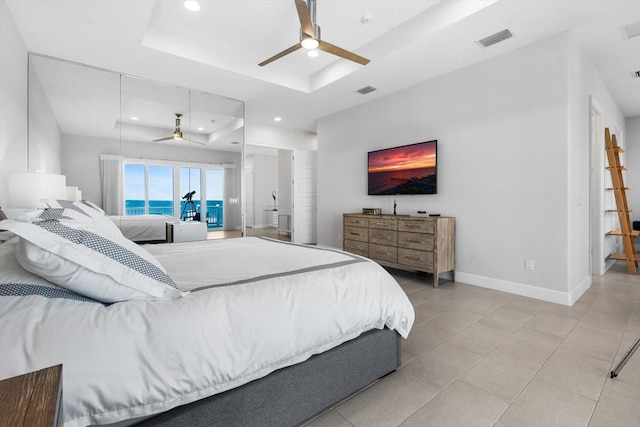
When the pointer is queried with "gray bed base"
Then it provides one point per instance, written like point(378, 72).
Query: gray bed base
point(293, 395)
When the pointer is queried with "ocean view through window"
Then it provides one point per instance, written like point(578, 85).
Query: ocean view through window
point(151, 189)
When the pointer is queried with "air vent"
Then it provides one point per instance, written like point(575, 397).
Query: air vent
point(235, 142)
point(495, 38)
point(365, 90)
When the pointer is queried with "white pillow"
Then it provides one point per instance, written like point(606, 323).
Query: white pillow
point(81, 208)
point(16, 281)
point(82, 257)
point(94, 206)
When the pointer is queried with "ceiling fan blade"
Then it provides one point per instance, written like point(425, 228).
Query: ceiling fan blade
point(338, 51)
point(168, 138)
point(281, 54)
point(305, 18)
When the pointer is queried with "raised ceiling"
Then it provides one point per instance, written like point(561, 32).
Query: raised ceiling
point(217, 49)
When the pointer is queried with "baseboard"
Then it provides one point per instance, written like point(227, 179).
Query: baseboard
point(579, 290)
point(549, 295)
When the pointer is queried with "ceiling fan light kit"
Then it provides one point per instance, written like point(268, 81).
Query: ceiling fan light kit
point(310, 36)
point(309, 43)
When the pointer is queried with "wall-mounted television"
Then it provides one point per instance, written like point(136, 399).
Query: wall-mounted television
point(408, 169)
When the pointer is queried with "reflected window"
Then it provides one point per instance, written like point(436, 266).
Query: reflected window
point(190, 209)
point(160, 190)
point(215, 198)
point(134, 189)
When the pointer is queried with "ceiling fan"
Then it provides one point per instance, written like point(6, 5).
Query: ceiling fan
point(177, 134)
point(310, 36)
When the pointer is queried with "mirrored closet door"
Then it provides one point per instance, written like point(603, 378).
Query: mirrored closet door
point(138, 147)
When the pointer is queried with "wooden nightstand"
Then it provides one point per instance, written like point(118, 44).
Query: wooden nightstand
point(33, 399)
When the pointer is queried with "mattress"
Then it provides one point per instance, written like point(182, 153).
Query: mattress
point(142, 228)
point(254, 306)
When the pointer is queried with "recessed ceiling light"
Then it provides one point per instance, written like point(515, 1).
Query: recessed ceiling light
point(192, 5)
point(277, 119)
point(313, 53)
point(134, 118)
point(200, 128)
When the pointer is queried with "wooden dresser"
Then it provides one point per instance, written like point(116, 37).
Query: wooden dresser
point(404, 242)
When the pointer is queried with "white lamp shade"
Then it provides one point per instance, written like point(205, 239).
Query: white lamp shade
point(26, 190)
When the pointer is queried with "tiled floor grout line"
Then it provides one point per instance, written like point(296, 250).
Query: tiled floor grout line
point(465, 371)
point(599, 304)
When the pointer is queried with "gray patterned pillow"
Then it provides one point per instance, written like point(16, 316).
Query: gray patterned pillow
point(82, 257)
point(16, 281)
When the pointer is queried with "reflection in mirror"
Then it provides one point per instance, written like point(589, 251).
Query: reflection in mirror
point(143, 151)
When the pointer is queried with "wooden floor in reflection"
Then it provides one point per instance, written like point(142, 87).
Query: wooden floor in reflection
point(251, 232)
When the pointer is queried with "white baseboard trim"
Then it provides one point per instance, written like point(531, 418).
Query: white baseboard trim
point(262, 226)
point(579, 290)
point(549, 295)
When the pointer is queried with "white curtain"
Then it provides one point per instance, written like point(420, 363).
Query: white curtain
point(111, 177)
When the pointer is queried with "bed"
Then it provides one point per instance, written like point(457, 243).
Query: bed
point(142, 228)
point(137, 228)
point(246, 331)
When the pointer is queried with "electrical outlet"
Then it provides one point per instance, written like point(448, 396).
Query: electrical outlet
point(528, 264)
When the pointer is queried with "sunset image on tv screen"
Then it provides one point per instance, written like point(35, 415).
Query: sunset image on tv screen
point(410, 169)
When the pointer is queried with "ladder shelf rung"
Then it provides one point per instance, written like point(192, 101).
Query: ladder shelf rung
point(615, 148)
point(632, 233)
point(623, 257)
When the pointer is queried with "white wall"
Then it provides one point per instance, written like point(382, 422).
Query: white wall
point(632, 161)
point(265, 181)
point(504, 142)
point(45, 138)
point(44, 148)
point(13, 102)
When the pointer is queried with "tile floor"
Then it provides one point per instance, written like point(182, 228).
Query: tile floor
point(478, 357)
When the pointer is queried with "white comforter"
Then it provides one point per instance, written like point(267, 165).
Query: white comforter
point(277, 305)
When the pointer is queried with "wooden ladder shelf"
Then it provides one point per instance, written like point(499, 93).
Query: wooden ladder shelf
point(626, 232)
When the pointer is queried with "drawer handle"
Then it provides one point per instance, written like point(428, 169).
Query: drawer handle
point(354, 234)
point(411, 258)
point(414, 241)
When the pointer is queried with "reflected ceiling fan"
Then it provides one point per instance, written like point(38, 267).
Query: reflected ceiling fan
point(177, 134)
point(310, 36)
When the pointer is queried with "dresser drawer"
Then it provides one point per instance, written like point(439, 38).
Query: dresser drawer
point(356, 221)
point(356, 233)
point(383, 223)
point(422, 226)
point(383, 253)
point(414, 258)
point(355, 247)
point(383, 237)
point(412, 240)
